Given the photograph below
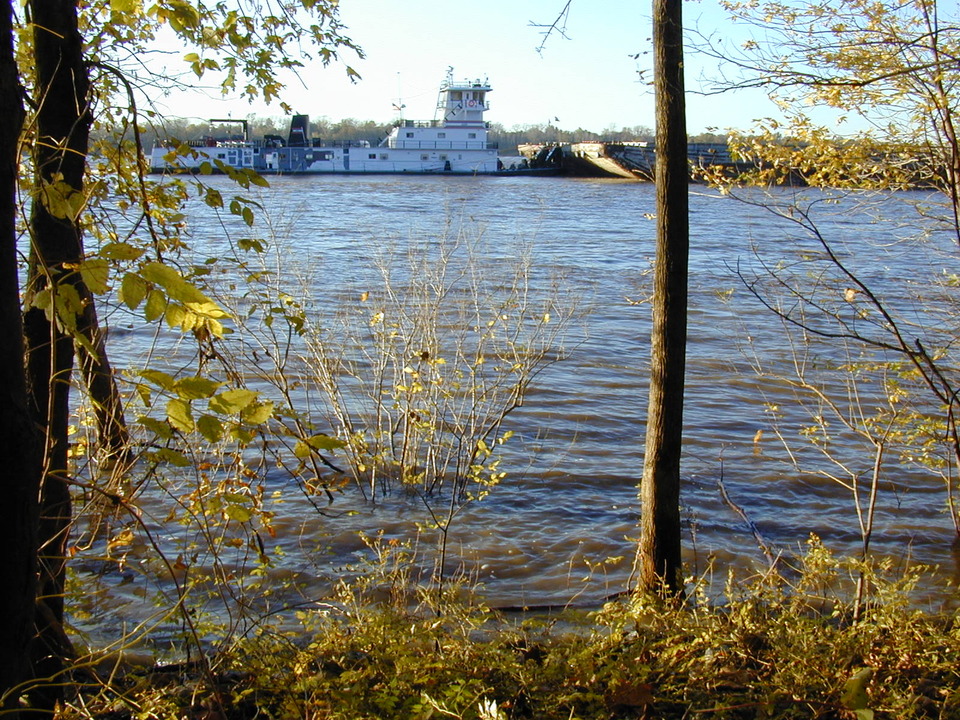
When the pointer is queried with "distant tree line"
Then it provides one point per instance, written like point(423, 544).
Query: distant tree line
point(330, 131)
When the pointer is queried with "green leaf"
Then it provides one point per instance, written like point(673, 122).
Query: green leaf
point(184, 15)
point(242, 435)
point(257, 413)
point(96, 274)
point(195, 388)
point(213, 198)
point(145, 394)
point(42, 300)
point(159, 428)
point(238, 513)
point(158, 378)
point(232, 401)
point(120, 251)
point(322, 443)
point(179, 414)
point(855, 691)
point(258, 179)
point(210, 427)
point(251, 244)
point(132, 290)
point(173, 457)
point(68, 306)
point(325, 442)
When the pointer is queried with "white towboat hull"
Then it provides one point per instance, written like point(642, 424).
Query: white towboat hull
point(456, 143)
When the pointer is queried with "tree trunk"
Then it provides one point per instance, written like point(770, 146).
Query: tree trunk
point(101, 385)
point(658, 564)
point(20, 479)
point(59, 155)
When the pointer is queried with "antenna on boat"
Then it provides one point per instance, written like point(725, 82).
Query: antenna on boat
point(398, 105)
point(442, 96)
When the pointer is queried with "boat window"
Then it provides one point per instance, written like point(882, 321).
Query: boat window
point(409, 135)
point(472, 136)
point(372, 156)
point(441, 135)
point(383, 156)
point(424, 157)
point(443, 157)
point(479, 97)
point(456, 95)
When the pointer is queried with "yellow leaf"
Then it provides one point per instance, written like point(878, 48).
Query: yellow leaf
point(179, 414)
point(61, 200)
point(177, 316)
point(126, 7)
point(232, 401)
point(124, 538)
point(156, 305)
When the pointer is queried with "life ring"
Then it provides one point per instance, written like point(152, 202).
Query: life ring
point(471, 103)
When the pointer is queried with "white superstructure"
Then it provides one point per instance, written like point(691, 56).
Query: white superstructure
point(454, 142)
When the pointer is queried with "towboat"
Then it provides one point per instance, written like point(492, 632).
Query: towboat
point(453, 143)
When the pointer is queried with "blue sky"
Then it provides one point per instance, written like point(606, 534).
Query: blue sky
point(587, 79)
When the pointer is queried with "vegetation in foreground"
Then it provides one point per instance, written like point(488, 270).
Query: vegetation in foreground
point(781, 646)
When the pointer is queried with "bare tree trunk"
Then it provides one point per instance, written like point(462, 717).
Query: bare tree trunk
point(59, 154)
point(20, 479)
point(658, 563)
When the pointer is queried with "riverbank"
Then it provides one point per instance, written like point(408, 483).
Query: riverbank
point(381, 648)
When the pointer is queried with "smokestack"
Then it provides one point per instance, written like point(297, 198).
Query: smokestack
point(299, 131)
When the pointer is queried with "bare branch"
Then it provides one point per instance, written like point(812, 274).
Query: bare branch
point(558, 26)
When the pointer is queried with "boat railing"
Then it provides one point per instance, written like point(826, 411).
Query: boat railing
point(443, 145)
point(222, 143)
point(419, 123)
point(319, 142)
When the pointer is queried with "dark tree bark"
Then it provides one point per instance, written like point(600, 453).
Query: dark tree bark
point(658, 555)
point(62, 131)
point(112, 435)
point(20, 479)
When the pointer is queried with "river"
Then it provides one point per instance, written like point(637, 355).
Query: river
point(561, 524)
